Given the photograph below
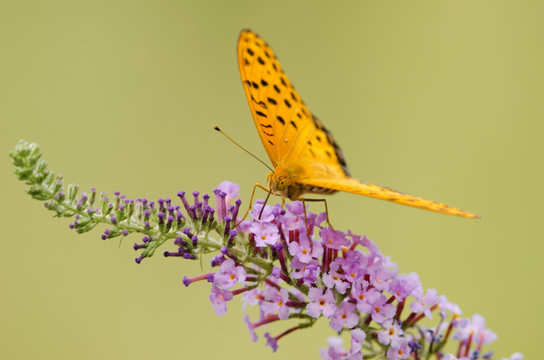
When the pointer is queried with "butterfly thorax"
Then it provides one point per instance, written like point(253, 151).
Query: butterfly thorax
point(288, 183)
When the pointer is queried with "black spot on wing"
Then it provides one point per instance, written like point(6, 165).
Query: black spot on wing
point(280, 119)
point(293, 96)
point(317, 123)
point(261, 103)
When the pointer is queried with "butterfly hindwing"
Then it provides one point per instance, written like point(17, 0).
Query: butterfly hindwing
point(319, 153)
point(356, 187)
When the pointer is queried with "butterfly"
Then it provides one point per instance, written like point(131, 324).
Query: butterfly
point(304, 154)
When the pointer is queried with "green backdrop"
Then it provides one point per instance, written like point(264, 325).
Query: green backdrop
point(437, 98)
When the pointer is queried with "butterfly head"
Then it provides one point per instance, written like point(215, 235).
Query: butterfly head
point(280, 182)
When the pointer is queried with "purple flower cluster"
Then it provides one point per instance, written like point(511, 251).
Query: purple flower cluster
point(285, 261)
point(308, 271)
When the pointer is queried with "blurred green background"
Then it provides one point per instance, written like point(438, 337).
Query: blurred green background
point(441, 99)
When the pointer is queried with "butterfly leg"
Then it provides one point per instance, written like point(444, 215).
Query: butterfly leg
point(316, 200)
point(257, 185)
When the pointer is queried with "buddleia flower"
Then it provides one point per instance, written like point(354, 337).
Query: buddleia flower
point(288, 264)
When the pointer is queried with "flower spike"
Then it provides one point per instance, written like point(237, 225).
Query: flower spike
point(272, 262)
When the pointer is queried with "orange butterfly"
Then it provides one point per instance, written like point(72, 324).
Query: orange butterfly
point(305, 157)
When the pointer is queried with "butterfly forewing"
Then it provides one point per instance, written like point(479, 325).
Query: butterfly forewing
point(287, 129)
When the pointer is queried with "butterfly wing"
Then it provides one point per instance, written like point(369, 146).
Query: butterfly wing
point(288, 131)
point(322, 172)
point(353, 186)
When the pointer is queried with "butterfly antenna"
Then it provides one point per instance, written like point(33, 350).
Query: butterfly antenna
point(241, 147)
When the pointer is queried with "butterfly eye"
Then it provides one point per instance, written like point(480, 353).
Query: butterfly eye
point(282, 183)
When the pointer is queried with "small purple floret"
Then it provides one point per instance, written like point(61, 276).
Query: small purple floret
point(236, 209)
point(187, 232)
point(218, 260)
point(179, 241)
point(138, 246)
point(181, 195)
point(232, 234)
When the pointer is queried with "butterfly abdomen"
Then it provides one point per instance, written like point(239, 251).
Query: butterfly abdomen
point(315, 189)
point(295, 191)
